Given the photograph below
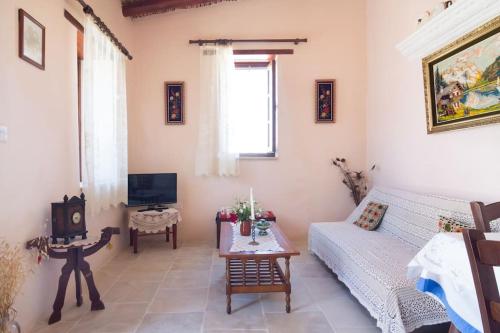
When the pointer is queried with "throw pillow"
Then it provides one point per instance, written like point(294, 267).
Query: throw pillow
point(450, 224)
point(372, 216)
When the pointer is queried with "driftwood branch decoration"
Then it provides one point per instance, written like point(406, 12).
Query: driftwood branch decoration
point(354, 180)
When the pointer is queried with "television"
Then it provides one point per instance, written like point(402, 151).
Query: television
point(152, 189)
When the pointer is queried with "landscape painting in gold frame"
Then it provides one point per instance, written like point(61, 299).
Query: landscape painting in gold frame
point(462, 81)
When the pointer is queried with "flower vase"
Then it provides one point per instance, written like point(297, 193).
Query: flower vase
point(245, 228)
point(8, 326)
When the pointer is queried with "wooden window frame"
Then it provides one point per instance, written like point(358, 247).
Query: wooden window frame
point(79, 78)
point(263, 64)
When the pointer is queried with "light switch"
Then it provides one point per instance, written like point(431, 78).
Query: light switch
point(3, 133)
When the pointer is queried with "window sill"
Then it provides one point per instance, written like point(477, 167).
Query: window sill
point(269, 156)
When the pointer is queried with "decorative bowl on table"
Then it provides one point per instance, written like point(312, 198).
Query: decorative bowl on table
point(263, 225)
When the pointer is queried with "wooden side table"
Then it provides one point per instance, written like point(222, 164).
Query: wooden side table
point(134, 236)
point(74, 253)
point(223, 217)
point(154, 222)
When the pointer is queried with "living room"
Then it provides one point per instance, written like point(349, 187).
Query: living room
point(378, 115)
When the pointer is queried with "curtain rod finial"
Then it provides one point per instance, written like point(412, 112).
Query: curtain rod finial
point(104, 28)
point(87, 9)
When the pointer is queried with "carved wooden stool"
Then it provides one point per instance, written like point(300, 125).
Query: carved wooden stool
point(74, 253)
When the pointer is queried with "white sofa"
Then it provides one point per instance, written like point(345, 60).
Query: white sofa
point(372, 264)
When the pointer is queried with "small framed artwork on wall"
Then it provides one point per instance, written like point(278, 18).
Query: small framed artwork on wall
point(325, 101)
point(174, 103)
point(31, 40)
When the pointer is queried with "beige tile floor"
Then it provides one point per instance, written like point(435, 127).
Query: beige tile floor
point(183, 291)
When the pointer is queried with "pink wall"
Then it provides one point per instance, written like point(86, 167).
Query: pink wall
point(350, 41)
point(460, 163)
point(300, 185)
point(39, 163)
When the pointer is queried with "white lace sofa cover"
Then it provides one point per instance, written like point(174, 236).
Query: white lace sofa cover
point(372, 264)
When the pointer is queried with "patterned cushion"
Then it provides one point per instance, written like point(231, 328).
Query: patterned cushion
point(371, 216)
point(449, 224)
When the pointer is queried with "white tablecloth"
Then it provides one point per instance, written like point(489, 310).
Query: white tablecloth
point(443, 271)
point(153, 221)
point(266, 243)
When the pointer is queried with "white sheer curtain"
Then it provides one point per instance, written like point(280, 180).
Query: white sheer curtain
point(104, 115)
point(215, 151)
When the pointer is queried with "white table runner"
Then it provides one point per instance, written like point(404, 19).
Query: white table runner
point(266, 243)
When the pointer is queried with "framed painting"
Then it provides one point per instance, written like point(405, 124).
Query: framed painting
point(325, 101)
point(31, 40)
point(174, 102)
point(462, 81)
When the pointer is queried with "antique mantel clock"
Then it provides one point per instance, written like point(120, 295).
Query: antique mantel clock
point(68, 219)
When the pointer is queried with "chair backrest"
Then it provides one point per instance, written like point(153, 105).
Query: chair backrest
point(483, 256)
point(484, 214)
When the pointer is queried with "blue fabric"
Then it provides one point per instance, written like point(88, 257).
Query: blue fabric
point(431, 286)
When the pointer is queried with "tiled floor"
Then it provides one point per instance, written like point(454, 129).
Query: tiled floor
point(183, 290)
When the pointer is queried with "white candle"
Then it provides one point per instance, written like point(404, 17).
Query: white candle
point(252, 208)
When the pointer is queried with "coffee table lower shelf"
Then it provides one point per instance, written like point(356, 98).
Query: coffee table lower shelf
point(257, 275)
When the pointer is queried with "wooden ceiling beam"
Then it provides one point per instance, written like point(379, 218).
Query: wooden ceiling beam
point(147, 7)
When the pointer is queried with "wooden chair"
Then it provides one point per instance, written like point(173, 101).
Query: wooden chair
point(483, 256)
point(484, 214)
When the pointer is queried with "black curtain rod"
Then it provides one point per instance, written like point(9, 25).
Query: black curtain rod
point(200, 42)
point(104, 28)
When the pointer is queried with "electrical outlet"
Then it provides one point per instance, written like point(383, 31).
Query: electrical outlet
point(3, 133)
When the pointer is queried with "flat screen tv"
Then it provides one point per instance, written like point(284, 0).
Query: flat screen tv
point(152, 189)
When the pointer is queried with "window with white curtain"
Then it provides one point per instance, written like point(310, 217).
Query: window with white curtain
point(104, 118)
point(254, 106)
point(237, 109)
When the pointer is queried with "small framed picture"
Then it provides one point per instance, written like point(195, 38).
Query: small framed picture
point(325, 101)
point(174, 102)
point(31, 40)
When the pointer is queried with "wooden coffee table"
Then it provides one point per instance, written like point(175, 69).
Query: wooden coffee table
point(256, 271)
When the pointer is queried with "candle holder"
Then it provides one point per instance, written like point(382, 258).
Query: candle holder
point(253, 242)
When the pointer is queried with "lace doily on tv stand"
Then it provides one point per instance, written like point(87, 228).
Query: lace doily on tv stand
point(152, 221)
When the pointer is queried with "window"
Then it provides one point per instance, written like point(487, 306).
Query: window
point(254, 100)
point(103, 159)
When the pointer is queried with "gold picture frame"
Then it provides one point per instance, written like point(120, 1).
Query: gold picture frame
point(448, 99)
